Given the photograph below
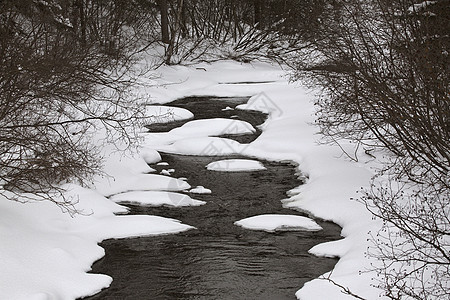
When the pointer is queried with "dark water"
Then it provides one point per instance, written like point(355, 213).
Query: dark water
point(218, 260)
point(212, 107)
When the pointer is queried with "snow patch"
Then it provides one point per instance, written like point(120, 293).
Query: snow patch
point(167, 172)
point(156, 198)
point(272, 223)
point(213, 127)
point(200, 190)
point(235, 165)
point(204, 146)
point(166, 114)
point(45, 254)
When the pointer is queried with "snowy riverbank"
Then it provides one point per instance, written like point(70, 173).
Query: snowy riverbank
point(45, 254)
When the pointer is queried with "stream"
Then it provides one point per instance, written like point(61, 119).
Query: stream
point(218, 260)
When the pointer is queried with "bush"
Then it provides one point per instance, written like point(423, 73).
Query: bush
point(383, 68)
point(55, 92)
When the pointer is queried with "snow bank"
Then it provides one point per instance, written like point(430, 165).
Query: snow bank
point(208, 146)
point(166, 114)
point(213, 127)
point(235, 165)
point(288, 134)
point(156, 198)
point(45, 254)
point(145, 182)
point(199, 129)
point(272, 223)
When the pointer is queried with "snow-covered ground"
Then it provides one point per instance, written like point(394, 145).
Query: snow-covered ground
point(45, 254)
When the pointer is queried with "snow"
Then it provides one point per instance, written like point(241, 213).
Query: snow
point(156, 198)
point(211, 127)
point(420, 6)
point(263, 103)
point(288, 135)
point(235, 165)
point(144, 182)
point(209, 146)
point(199, 128)
point(150, 156)
point(167, 172)
point(200, 190)
point(272, 223)
point(45, 254)
point(166, 114)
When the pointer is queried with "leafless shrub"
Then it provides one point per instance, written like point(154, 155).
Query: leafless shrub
point(55, 94)
point(383, 68)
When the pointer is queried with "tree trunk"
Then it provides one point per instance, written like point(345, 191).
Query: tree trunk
point(257, 11)
point(164, 21)
point(170, 48)
point(80, 21)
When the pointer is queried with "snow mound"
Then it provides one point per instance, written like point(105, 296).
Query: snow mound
point(272, 223)
point(204, 146)
point(45, 254)
point(166, 114)
point(200, 190)
point(156, 198)
point(213, 127)
point(235, 165)
point(146, 182)
point(167, 172)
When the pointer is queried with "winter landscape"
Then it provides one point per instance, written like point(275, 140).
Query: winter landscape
point(224, 149)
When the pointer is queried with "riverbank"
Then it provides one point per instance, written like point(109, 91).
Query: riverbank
point(60, 249)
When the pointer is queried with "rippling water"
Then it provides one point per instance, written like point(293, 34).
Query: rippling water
point(218, 260)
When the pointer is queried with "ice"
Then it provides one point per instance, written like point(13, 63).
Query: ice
point(235, 165)
point(200, 190)
point(156, 198)
point(272, 223)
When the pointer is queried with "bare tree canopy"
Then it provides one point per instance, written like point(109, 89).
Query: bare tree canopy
point(383, 67)
point(54, 91)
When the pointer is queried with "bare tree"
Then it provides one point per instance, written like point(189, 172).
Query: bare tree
point(163, 8)
point(53, 98)
point(383, 67)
